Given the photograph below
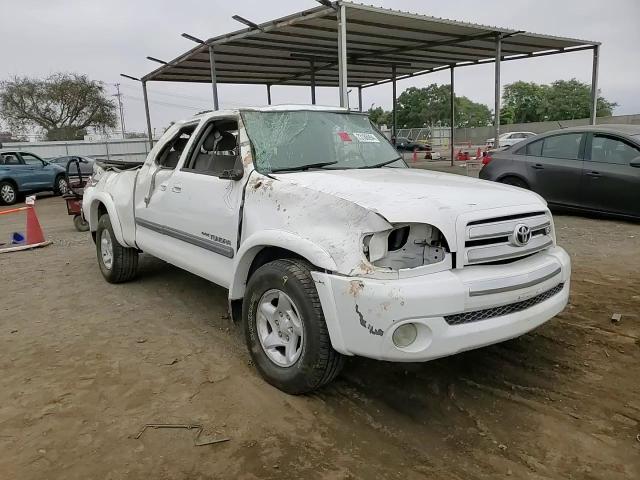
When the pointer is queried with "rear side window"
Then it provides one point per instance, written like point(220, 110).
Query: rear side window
point(562, 146)
point(606, 149)
point(535, 148)
point(9, 159)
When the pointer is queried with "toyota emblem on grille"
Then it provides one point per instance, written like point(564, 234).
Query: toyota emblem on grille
point(521, 235)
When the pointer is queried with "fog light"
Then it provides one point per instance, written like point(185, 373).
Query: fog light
point(405, 335)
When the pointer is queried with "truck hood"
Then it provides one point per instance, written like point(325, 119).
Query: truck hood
point(412, 195)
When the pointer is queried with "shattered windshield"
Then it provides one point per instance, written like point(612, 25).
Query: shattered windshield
point(300, 140)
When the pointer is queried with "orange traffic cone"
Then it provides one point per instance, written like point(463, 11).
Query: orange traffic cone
point(34, 230)
point(34, 234)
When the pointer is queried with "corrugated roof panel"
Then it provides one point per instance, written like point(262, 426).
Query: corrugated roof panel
point(281, 53)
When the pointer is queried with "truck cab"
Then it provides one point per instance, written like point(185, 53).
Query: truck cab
point(329, 245)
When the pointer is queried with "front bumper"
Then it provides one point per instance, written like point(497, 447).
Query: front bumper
point(363, 313)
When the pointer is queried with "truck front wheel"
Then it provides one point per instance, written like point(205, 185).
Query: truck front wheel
point(285, 328)
point(117, 263)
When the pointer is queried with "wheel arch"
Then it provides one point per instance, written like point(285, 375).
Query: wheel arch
point(99, 205)
point(267, 246)
point(514, 175)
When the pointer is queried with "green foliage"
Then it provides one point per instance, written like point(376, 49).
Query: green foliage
point(63, 105)
point(525, 102)
point(431, 105)
point(379, 116)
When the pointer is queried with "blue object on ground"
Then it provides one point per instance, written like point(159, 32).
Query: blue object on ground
point(17, 238)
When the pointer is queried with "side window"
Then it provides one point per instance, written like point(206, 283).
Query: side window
point(216, 150)
point(606, 149)
point(9, 159)
point(171, 153)
point(535, 148)
point(562, 146)
point(31, 159)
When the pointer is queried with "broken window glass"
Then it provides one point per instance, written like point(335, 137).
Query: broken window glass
point(293, 140)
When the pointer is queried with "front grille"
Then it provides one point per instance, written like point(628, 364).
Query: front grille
point(490, 240)
point(477, 315)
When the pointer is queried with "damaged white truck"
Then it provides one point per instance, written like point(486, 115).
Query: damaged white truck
point(329, 245)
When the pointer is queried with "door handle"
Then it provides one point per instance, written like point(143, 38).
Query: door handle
point(593, 174)
point(537, 166)
point(176, 188)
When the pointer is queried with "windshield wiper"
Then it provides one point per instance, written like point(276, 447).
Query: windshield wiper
point(378, 165)
point(302, 167)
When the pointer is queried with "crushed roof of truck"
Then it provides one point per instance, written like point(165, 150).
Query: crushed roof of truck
point(280, 52)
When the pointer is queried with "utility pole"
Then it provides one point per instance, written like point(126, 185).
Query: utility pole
point(120, 107)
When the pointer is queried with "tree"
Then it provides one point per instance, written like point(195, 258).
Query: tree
point(571, 99)
point(379, 116)
point(525, 102)
point(431, 104)
point(63, 105)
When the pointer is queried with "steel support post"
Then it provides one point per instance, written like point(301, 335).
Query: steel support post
point(452, 108)
point(342, 55)
point(214, 81)
point(269, 93)
point(360, 98)
point(594, 84)
point(313, 82)
point(146, 111)
point(496, 117)
point(394, 125)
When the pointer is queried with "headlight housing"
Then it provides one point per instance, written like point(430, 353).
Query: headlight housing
point(407, 245)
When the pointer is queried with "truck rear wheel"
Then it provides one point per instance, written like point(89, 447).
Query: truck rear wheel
point(117, 263)
point(285, 328)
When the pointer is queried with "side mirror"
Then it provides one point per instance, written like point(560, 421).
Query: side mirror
point(635, 162)
point(236, 173)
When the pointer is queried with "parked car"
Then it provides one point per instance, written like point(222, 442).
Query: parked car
point(86, 164)
point(328, 244)
point(24, 172)
point(510, 138)
point(594, 168)
point(404, 144)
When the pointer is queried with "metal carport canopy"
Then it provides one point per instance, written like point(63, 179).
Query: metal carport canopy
point(280, 52)
point(347, 44)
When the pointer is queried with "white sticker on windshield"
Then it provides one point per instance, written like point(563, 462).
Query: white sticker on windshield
point(366, 137)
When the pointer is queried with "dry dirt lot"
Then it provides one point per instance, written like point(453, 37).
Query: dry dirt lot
point(86, 364)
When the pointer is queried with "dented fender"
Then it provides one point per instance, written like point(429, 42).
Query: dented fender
point(300, 217)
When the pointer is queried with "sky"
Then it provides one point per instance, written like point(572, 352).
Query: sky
point(105, 38)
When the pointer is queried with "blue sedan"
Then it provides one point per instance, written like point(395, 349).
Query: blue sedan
point(24, 173)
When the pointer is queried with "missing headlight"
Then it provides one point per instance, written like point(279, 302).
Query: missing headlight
point(406, 246)
point(397, 238)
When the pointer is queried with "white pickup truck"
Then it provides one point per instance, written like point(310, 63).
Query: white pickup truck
point(328, 244)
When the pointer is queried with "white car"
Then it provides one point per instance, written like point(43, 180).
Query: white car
point(511, 138)
point(329, 245)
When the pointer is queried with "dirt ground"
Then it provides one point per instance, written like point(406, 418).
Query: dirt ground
point(86, 364)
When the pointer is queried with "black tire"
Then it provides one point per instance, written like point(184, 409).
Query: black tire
point(318, 363)
point(514, 181)
point(124, 260)
point(8, 193)
point(57, 186)
point(80, 223)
